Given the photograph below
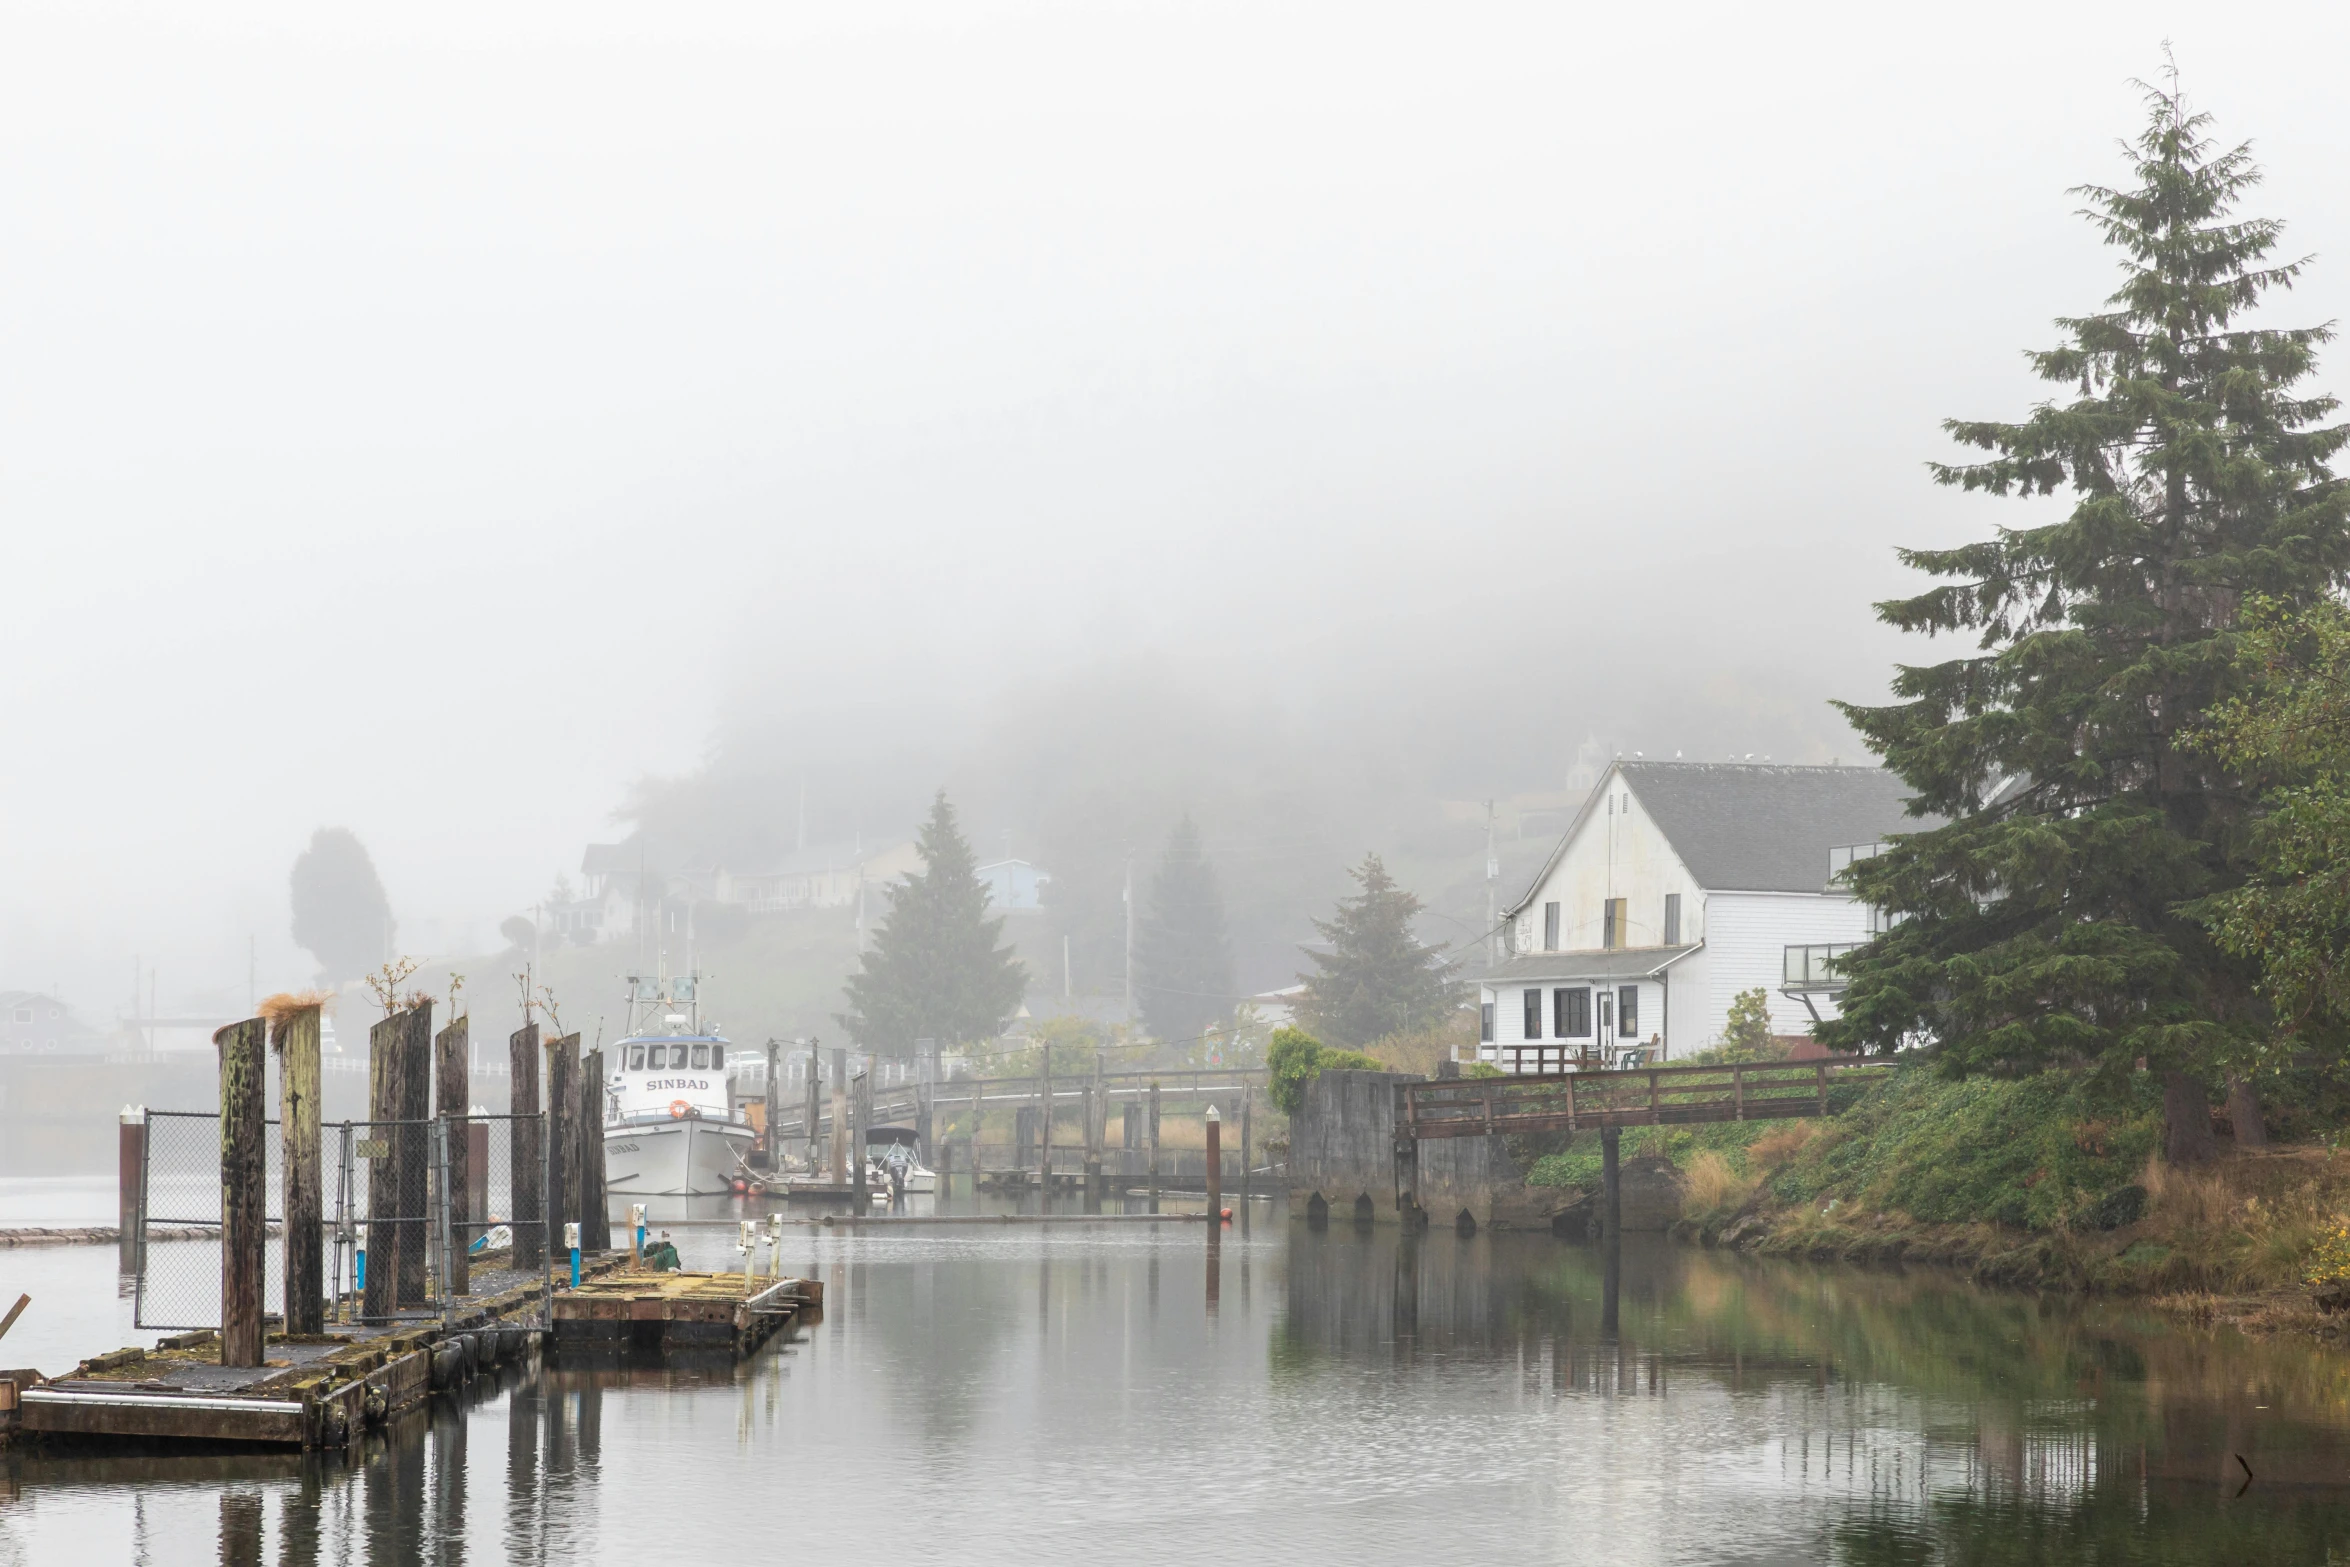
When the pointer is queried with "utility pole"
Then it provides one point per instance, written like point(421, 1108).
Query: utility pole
point(1492, 894)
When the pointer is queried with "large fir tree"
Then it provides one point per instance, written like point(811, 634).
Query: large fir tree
point(1182, 955)
point(934, 970)
point(1377, 978)
point(2043, 924)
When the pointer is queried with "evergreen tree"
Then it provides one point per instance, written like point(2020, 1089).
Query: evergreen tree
point(2044, 923)
point(1182, 956)
point(1377, 978)
point(934, 970)
point(340, 912)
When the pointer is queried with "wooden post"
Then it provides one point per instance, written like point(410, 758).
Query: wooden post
point(1044, 1155)
point(562, 1142)
point(770, 1135)
point(381, 1148)
point(813, 1116)
point(1611, 1185)
point(860, 1115)
point(525, 1145)
point(415, 1159)
point(1248, 1095)
point(130, 1164)
point(1154, 1146)
point(1215, 1170)
point(595, 1210)
point(244, 1188)
point(298, 1134)
point(840, 1117)
point(452, 1088)
point(1097, 1126)
point(978, 1107)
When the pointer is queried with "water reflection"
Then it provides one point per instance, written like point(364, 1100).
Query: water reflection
point(1025, 1394)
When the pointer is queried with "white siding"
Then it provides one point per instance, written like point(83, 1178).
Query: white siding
point(1613, 851)
point(1749, 933)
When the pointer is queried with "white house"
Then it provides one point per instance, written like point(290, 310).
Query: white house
point(1678, 885)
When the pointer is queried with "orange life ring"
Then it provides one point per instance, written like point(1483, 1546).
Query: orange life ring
point(679, 1109)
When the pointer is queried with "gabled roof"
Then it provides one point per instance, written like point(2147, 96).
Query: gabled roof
point(1754, 827)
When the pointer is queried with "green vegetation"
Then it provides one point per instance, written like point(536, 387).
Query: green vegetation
point(934, 970)
point(2046, 926)
point(341, 915)
point(1295, 1058)
point(1377, 979)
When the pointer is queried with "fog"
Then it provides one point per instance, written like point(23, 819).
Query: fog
point(451, 424)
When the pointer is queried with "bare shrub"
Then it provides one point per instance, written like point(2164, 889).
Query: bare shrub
point(1712, 1185)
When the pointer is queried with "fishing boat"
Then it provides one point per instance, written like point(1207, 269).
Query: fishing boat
point(671, 1126)
point(898, 1149)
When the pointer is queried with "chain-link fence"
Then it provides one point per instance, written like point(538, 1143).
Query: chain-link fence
point(416, 1215)
point(178, 1281)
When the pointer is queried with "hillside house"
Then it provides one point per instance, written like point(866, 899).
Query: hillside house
point(1677, 886)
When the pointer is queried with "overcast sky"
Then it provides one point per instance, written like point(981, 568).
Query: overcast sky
point(430, 420)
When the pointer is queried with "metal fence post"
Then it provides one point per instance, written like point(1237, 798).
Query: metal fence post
point(449, 1259)
point(546, 1224)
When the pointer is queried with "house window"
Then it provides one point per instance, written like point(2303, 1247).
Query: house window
point(1571, 1008)
point(1533, 1014)
point(1550, 927)
point(1607, 1013)
point(24, 1014)
point(1485, 1023)
point(1628, 1010)
point(1611, 923)
point(1672, 919)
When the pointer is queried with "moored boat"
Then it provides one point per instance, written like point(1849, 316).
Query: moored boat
point(671, 1126)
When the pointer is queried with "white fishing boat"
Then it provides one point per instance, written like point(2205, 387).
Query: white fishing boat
point(898, 1150)
point(671, 1126)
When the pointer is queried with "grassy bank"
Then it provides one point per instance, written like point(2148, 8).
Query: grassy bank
point(2048, 1182)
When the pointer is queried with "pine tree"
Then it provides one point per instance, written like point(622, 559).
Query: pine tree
point(1377, 978)
point(934, 970)
point(340, 912)
point(2043, 924)
point(1182, 956)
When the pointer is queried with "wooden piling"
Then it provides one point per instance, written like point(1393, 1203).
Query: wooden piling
point(244, 1188)
point(861, 1119)
point(770, 1138)
point(296, 1038)
point(1154, 1146)
point(381, 1149)
point(452, 1088)
point(1611, 1185)
point(840, 1107)
point(814, 1116)
point(524, 1149)
point(595, 1210)
point(1097, 1132)
point(415, 1159)
point(1215, 1167)
point(1044, 1097)
point(130, 1165)
point(562, 1138)
point(1248, 1095)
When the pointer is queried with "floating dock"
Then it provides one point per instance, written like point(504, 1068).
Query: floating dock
point(679, 1312)
point(318, 1390)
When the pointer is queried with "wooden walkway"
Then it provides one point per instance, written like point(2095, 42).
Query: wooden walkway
point(1650, 1096)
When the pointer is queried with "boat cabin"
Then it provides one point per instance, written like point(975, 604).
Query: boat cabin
point(671, 1078)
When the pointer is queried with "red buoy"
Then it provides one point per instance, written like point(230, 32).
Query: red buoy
point(1227, 1213)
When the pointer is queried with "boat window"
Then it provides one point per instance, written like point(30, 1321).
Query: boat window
point(718, 1055)
point(636, 1058)
point(677, 1055)
point(701, 1055)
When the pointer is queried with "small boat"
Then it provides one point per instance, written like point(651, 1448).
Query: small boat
point(671, 1126)
point(898, 1149)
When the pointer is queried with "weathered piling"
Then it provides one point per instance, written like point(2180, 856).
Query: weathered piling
point(1611, 1185)
point(562, 1135)
point(862, 1115)
point(1248, 1096)
point(294, 1031)
point(771, 1113)
point(415, 1137)
point(814, 1116)
point(381, 1150)
point(244, 1187)
point(595, 1212)
point(1154, 1146)
point(452, 1089)
point(1215, 1165)
point(1097, 1130)
point(130, 1163)
point(1044, 1107)
point(840, 1117)
point(525, 1149)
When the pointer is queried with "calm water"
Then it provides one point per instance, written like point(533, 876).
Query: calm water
point(1125, 1394)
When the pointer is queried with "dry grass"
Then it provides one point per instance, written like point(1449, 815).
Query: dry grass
point(287, 1005)
point(2199, 1307)
point(1423, 1050)
point(1770, 1152)
point(2248, 1222)
point(1711, 1185)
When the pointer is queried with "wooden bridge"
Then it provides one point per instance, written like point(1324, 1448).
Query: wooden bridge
point(1650, 1096)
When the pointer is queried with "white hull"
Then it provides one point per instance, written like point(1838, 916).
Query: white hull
point(674, 1159)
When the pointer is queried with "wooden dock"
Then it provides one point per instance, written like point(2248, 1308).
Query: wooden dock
point(312, 1390)
point(672, 1312)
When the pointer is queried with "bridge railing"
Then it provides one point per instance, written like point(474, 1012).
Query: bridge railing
point(1651, 1096)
